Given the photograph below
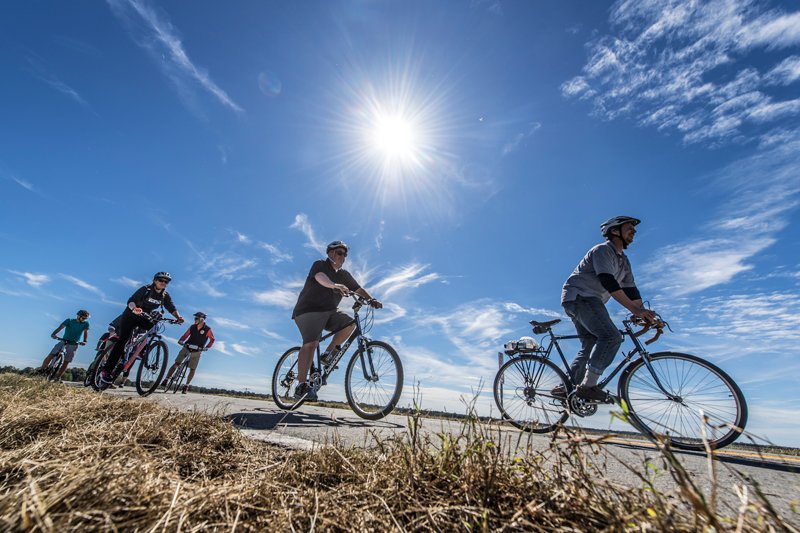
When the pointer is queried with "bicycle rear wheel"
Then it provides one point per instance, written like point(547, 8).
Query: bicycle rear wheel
point(706, 403)
point(374, 381)
point(152, 366)
point(51, 372)
point(178, 377)
point(284, 380)
point(523, 391)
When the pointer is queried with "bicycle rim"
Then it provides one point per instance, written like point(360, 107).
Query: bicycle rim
point(55, 365)
point(709, 406)
point(284, 380)
point(523, 392)
point(374, 381)
point(152, 366)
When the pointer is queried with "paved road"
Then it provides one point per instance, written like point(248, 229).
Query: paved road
point(310, 426)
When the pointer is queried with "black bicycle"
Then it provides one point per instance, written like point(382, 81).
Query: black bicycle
point(675, 396)
point(174, 382)
point(373, 380)
point(51, 372)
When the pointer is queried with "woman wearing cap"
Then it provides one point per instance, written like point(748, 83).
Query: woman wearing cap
point(317, 310)
point(194, 343)
point(148, 298)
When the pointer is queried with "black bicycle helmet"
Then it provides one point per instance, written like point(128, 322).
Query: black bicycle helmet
point(616, 222)
point(200, 314)
point(84, 313)
point(337, 244)
point(162, 275)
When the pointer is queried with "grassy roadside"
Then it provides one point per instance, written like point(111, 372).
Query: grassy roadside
point(74, 460)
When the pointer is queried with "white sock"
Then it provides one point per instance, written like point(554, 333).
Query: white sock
point(590, 379)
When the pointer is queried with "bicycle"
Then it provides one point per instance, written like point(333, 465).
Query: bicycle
point(144, 344)
point(373, 379)
point(51, 372)
point(675, 396)
point(180, 372)
point(99, 360)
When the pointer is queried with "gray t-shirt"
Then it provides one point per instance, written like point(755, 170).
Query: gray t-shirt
point(601, 259)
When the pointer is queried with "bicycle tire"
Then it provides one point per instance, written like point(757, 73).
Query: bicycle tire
point(154, 364)
point(284, 380)
point(180, 375)
point(523, 393)
point(96, 382)
point(703, 387)
point(368, 398)
point(55, 364)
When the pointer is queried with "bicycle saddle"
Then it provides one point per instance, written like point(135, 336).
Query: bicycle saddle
point(545, 324)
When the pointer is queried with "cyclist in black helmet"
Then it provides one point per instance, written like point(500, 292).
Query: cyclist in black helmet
point(193, 344)
point(316, 310)
point(73, 328)
point(146, 299)
point(604, 273)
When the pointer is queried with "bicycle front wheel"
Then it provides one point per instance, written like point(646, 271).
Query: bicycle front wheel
point(704, 403)
point(524, 393)
point(152, 367)
point(284, 380)
point(55, 365)
point(374, 380)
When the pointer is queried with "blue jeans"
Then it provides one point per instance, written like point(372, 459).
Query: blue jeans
point(600, 338)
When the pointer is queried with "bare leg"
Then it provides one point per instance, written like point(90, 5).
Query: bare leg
point(340, 337)
point(190, 376)
point(304, 360)
point(62, 370)
point(47, 362)
point(171, 371)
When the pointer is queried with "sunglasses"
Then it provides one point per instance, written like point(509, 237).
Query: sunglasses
point(340, 253)
point(162, 280)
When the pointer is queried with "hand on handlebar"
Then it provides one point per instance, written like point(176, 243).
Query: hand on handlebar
point(53, 337)
point(179, 320)
point(82, 343)
point(137, 310)
point(648, 315)
point(342, 289)
point(376, 304)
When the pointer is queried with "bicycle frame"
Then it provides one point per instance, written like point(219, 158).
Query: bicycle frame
point(638, 348)
point(357, 334)
point(137, 343)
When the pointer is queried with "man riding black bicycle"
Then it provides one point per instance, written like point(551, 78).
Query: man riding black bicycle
point(604, 272)
point(317, 310)
point(73, 328)
point(148, 298)
point(193, 344)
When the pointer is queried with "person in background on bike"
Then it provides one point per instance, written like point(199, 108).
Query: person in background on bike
point(604, 273)
point(145, 300)
point(317, 310)
point(194, 343)
point(73, 327)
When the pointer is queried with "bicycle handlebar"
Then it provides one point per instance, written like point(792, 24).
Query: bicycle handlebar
point(646, 326)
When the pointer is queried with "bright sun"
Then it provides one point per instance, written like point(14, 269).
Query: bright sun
point(394, 137)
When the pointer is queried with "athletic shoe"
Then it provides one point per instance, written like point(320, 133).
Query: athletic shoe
point(184, 389)
point(303, 390)
point(593, 394)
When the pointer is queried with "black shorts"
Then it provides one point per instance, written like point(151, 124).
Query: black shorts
point(311, 324)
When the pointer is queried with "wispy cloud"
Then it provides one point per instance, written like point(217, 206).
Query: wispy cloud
point(277, 255)
point(405, 277)
point(512, 145)
point(657, 67)
point(763, 191)
point(280, 297)
point(302, 224)
point(229, 323)
point(34, 280)
point(38, 69)
point(128, 282)
point(152, 30)
point(245, 349)
point(83, 284)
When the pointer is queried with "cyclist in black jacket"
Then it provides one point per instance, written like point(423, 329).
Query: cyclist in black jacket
point(146, 299)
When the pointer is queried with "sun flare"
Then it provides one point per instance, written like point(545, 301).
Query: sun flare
point(394, 136)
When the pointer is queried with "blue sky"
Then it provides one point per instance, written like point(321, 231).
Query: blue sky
point(467, 151)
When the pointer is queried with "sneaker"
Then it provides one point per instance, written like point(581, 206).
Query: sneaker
point(184, 389)
point(594, 394)
point(303, 390)
point(559, 392)
point(325, 358)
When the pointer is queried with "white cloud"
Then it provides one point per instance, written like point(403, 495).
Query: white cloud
point(245, 349)
point(128, 282)
point(229, 323)
point(682, 67)
point(38, 69)
point(284, 298)
point(153, 31)
point(302, 224)
point(82, 284)
point(405, 277)
point(277, 255)
point(34, 280)
point(24, 184)
point(516, 142)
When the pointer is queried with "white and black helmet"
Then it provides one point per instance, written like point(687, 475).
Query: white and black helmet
point(162, 275)
point(616, 222)
point(337, 244)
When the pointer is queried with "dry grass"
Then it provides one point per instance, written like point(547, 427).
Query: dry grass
point(74, 460)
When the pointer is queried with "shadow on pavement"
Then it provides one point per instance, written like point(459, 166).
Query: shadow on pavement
point(271, 420)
